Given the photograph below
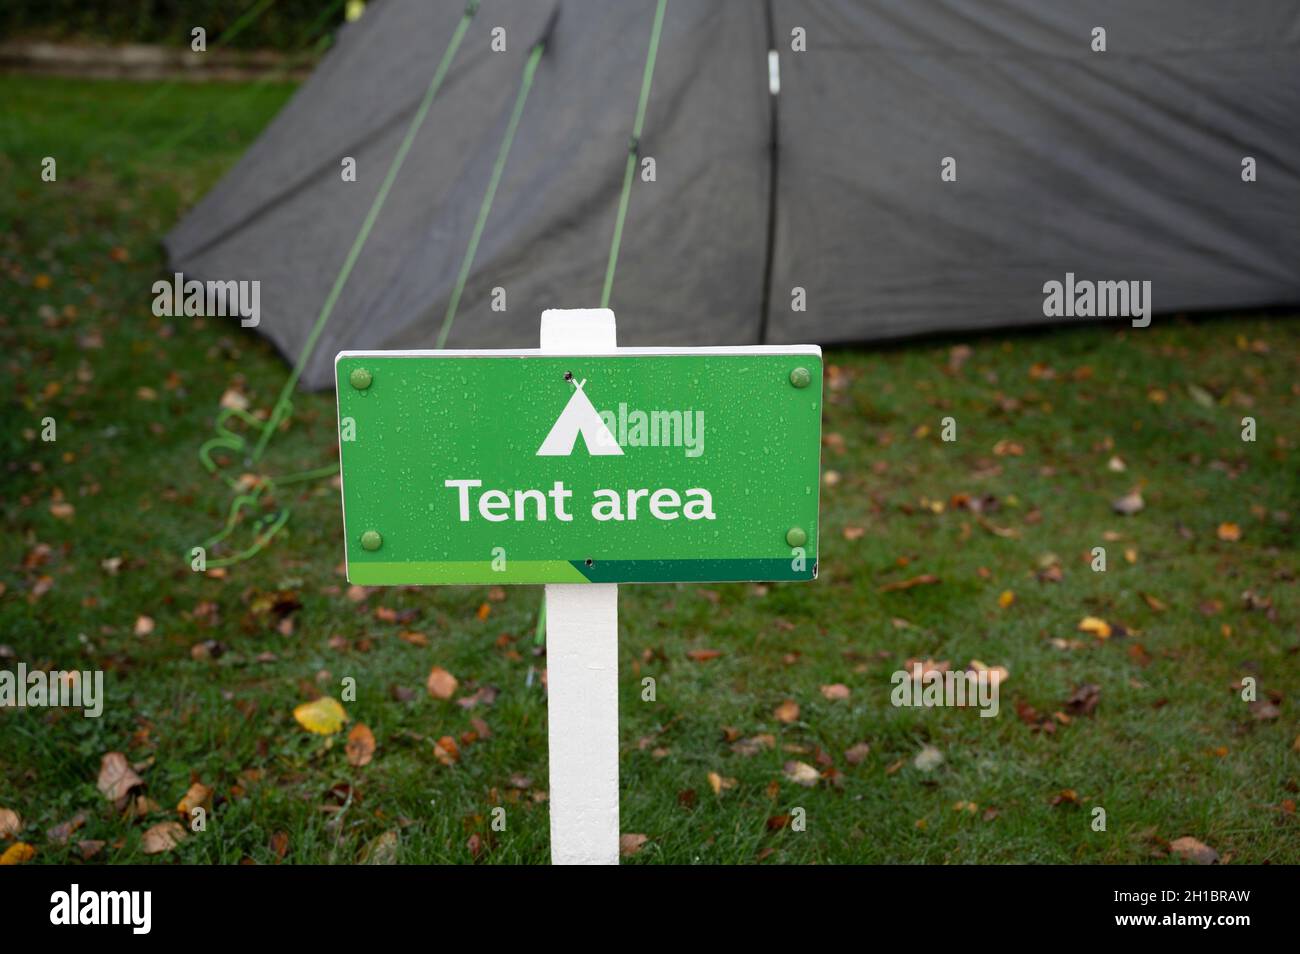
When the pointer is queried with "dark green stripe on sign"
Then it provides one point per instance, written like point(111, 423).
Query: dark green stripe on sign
point(714, 571)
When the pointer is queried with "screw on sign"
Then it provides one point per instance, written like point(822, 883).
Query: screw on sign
point(581, 465)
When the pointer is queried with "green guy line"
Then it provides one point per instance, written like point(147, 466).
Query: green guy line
point(281, 408)
point(628, 172)
point(530, 68)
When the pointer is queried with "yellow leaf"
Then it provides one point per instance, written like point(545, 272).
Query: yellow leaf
point(17, 853)
point(1006, 599)
point(324, 716)
point(1098, 627)
point(719, 782)
point(198, 796)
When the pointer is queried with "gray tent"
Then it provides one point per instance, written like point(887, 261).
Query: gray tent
point(1125, 164)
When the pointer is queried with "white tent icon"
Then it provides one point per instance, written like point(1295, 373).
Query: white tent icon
point(579, 417)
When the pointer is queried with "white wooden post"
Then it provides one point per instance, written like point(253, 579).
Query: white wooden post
point(582, 666)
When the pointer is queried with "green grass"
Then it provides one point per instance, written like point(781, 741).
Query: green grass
point(1171, 749)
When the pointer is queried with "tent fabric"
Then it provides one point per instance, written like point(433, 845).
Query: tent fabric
point(1115, 165)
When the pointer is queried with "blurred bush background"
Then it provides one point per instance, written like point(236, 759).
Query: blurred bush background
point(271, 24)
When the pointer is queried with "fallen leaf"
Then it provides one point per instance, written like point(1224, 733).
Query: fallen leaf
point(703, 655)
point(928, 759)
point(630, 844)
point(801, 773)
point(1157, 605)
point(719, 783)
point(925, 579)
point(1264, 710)
point(18, 853)
point(280, 844)
point(1098, 627)
point(1189, 849)
point(117, 778)
point(1129, 504)
point(361, 745)
point(324, 716)
point(855, 754)
point(1229, 532)
point(787, 711)
point(446, 751)
point(835, 692)
point(1084, 699)
point(233, 400)
point(198, 796)
point(162, 837)
point(89, 848)
point(441, 684)
point(380, 851)
point(10, 823)
point(1006, 598)
point(143, 625)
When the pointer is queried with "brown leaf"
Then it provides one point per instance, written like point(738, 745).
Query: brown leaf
point(855, 754)
point(441, 684)
point(10, 823)
point(1189, 849)
point(787, 711)
point(754, 745)
point(143, 625)
point(280, 844)
point(1129, 504)
point(446, 751)
point(1084, 699)
point(925, 579)
point(801, 773)
point(89, 848)
point(1157, 605)
point(703, 655)
point(162, 837)
point(360, 746)
point(630, 844)
point(116, 778)
point(835, 692)
point(1264, 710)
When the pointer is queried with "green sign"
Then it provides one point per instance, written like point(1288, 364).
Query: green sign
point(639, 465)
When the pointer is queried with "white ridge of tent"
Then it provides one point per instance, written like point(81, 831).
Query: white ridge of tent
point(579, 417)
